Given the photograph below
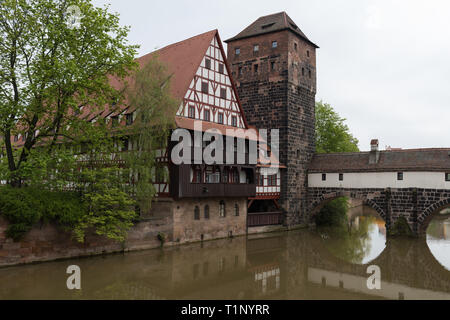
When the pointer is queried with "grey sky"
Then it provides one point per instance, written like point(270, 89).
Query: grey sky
point(383, 65)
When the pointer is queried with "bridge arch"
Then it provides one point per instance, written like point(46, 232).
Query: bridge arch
point(430, 212)
point(324, 198)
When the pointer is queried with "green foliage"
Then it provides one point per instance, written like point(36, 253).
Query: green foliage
point(49, 71)
point(401, 228)
point(24, 207)
point(334, 213)
point(332, 134)
point(155, 117)
point(110, 209)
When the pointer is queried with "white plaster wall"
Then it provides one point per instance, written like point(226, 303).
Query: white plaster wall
point(428, 180)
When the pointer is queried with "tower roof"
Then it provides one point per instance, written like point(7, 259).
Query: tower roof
point(272, 23)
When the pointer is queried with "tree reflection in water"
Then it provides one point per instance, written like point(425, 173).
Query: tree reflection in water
point(360, 240)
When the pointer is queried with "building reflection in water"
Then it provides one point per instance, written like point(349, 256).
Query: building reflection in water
point(294, 265)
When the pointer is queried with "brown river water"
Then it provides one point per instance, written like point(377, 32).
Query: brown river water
point(326, 263)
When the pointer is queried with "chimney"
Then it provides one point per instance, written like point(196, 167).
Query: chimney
point(374, 154)
point(374, 145)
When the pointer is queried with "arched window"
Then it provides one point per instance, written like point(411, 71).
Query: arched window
point(206, 212)
point(197, 213)
point(222, 208)
point(236, 209)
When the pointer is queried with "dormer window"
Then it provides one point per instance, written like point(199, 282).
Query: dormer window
point(274, 44)
point(129, 119)
point(115, 121)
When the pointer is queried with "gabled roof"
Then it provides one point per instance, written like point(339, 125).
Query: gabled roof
point(272, 23)
point(431, 159)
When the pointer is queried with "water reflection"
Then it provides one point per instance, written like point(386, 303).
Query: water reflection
point(438, 238)
point(361, 241)
point(291, 265)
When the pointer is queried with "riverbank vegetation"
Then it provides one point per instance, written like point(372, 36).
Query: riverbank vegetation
point(61, 160)
point(333, 135)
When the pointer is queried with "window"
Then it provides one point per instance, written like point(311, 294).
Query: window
point(206, 115)
point(274, 44)
point(447, 177)
point(125, 144)
point(197, 175)
point(221, 68)
point(255, 68)
point(341, 177)
point(204, 87)
point(303, 71)
point(206, 212)
point(238, 51)
point(16, 138)
point(220, 118)
point(240, 71)
point(212, 175)
point(324, 176)
point(207, 63)
point(225, 175)
point(295, 46)
point(255, 48)
point(399, 175)
point(272, 65)
point(222, 212)
point(234, 121)
point(129, 119)
point(307, 53)
point(197, 213)
point(236, 210)
point(191, 112)
point(261, 180)
point(223, 93)
point(115, 121)
point(309, 74)
point(234, 176)
point(298, 153)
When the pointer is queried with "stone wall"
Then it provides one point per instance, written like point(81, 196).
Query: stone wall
point(187, 228)
point(46, 242)
point(281, 95)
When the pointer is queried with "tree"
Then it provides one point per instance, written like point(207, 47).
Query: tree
point(49, 71)
point(332, 134)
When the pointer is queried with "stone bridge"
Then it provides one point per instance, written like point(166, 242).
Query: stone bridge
point(414, 184)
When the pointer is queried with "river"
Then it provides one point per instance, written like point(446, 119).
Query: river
point(303, 264)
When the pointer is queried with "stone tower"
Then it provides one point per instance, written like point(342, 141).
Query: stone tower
point(274, 65)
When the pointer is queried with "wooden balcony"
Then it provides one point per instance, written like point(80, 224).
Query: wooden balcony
point(264, 219)
point(204, 190)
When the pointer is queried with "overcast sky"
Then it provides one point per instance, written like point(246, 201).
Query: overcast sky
point(383, 65)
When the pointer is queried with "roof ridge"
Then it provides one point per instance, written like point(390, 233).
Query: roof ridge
point(178, 43)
